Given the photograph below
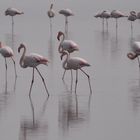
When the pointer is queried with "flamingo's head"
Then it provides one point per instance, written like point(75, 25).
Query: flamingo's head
point(59, 34)
point(132, 55)
point(6, 12)
point(63, 54)
point(51, 6)
point(20, 47)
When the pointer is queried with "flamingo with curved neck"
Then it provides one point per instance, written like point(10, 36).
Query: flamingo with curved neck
point(75, 63)
point(32, 60)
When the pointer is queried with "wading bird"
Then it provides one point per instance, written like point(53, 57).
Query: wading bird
point(13, 12)
point(75, 63)
point(135, 52)
point(67, 45)
point(104, 15)
point(66, 13)
point(32, 60)
point(132, 17)
point(117, 14)
point(7, 52)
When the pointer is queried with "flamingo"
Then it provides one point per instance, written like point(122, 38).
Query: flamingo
point(104, 15)
point(135, 52)
point(67, 45)
point(75, 63)
point(13, 12)
point(7, 52)
point(117, 14)
point(66, 13)
point(132, 17)
point(32, 60)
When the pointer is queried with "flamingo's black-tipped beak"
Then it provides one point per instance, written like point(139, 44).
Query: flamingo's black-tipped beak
point(19, 50)
point(61, 57)
point(59, 34)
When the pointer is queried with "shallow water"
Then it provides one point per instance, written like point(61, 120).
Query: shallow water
point(113, 109)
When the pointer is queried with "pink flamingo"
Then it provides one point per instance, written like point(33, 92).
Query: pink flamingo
point(67, 45)
point(32, 60)
point(66, 13)
point(13, 12)
point(132, 17)
point(75, 63)
point(7, 52)
point(104, 15)
point(117, 14)
point(135, 52)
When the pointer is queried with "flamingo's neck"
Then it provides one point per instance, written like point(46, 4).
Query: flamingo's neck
point(60, 49)
point(22, 57)
point(66, 61)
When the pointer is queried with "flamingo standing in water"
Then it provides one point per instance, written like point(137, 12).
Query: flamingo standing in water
point(132, 17)
point(104, 15)
point(117, 14)
point(7, 52)
point(32, 60)
point(75, 63)
point(135, 52)
point(13, 12)
point(67, 45)
point(66, 13)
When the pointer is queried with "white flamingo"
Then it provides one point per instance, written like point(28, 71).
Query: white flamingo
point(67, 45)
point(117, 14)
point(75, 63)
point(13, 12)
point(66, 13)
point(135, 52)
point(32, 60)
point(7, 52)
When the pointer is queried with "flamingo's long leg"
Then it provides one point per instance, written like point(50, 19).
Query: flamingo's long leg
point(63, 74)
point(31, 83)
point(76, 81)
point(88, 79)
point(71, 80)
point(14, 66)
point(43, 81)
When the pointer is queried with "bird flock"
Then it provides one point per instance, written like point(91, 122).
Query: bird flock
point(32, 60)
point(116, 14)
point(65, 48)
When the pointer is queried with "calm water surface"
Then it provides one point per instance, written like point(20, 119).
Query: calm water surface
point(112, 112)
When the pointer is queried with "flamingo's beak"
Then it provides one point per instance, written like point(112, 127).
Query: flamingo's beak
point(59, 34)
point(61, 57)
